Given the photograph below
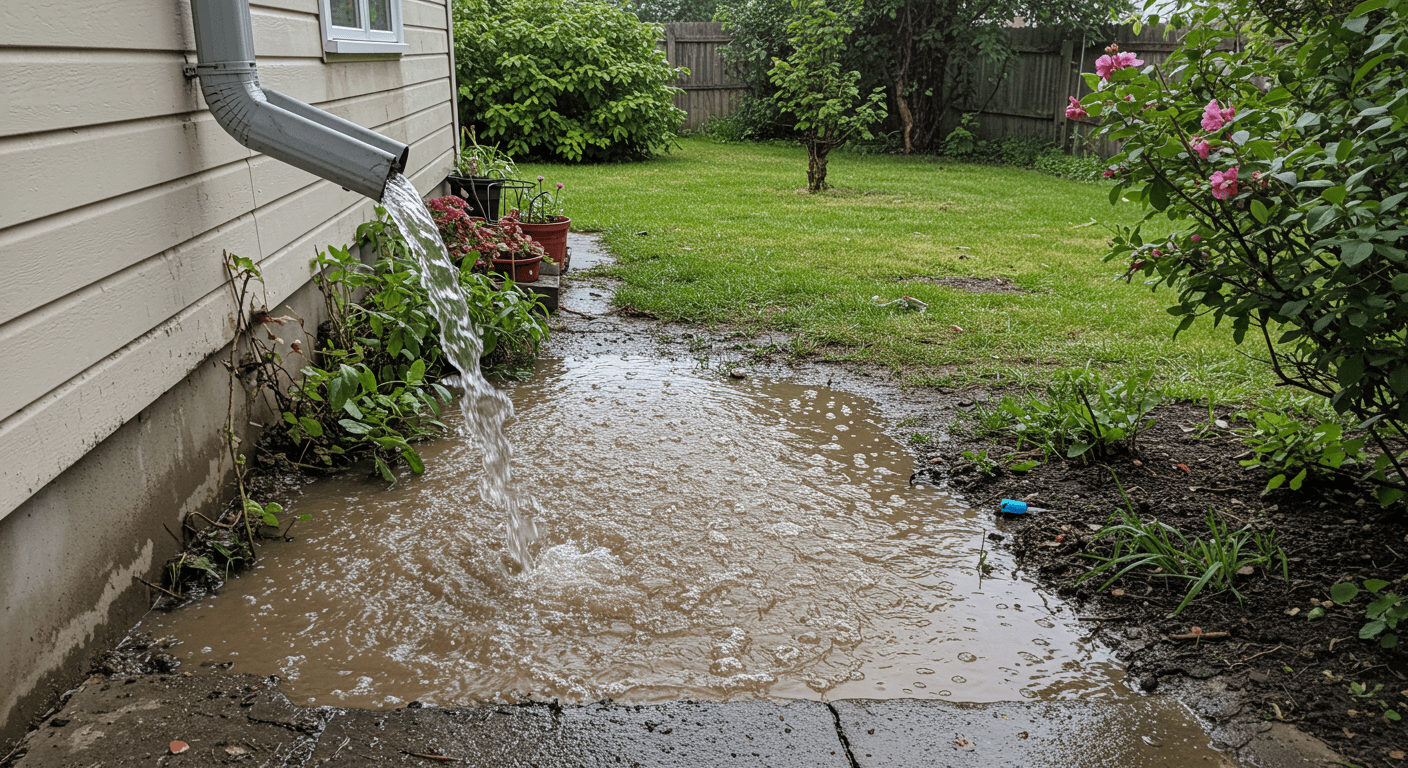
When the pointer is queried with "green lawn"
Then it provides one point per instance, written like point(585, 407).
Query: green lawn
point(734, 239)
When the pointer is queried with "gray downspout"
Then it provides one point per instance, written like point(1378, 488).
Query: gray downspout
point(269, 122)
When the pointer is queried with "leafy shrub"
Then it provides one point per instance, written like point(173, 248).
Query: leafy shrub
point(565, 79)
point(756, 118)
point(1286, 448)
point(1079, 413)
point(1288, 157)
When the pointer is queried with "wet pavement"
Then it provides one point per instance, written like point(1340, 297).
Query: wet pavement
point(866, 622)
point(243, 719)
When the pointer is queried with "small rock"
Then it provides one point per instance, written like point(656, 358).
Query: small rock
point(59, 722)
point(737, 374)
point(1293, 612)
point(1259, 677)
point(1245, 570)
point(964, 403)
point(177, 747)
point(1149, 683)
point(414, 705)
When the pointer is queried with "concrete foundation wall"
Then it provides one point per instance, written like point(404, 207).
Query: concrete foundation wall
point(71, 555)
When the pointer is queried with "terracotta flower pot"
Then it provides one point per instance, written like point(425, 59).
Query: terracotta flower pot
point(553, 238)
point(521, 270)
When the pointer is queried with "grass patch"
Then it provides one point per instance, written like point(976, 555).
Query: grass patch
point(732, 240)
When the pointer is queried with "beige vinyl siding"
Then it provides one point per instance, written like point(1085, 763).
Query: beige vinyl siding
point(121, 193)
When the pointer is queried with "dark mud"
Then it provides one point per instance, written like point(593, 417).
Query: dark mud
point(1282, 665)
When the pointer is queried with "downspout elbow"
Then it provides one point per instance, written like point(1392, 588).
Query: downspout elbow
point(276, 125)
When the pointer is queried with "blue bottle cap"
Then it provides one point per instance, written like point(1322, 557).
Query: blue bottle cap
point(1013, 507)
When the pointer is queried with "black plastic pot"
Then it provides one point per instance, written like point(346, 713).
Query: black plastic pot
point(483, 193)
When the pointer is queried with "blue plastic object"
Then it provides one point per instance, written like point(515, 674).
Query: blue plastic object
point(1013, 507)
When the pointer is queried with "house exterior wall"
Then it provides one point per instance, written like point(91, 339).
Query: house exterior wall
point(120, 193)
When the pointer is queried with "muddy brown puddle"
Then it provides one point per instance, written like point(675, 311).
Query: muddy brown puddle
point(702, 538)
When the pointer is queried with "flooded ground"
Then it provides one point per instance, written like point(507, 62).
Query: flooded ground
point(704, 538)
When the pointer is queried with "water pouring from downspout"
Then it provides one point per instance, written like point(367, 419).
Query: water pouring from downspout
point(366, 162)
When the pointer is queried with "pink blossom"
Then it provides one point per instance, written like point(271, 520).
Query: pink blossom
point(1201, 146)
point(1224, 183)
point(1196, 238)
point(1214, 117)
point(559, 185)
point(1109, 173)
point(1106, 65)
point(1075, 111)
point(1156, 253)
point(540, 178)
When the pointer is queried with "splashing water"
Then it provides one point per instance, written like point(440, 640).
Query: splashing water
point(484, 407)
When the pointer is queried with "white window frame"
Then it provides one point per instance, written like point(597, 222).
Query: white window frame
point(365, 40)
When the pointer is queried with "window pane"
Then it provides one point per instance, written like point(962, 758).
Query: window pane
point(344, 13)
point(380, 11)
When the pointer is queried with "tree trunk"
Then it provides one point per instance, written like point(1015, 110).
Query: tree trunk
point(816, 166)
point(906, 116)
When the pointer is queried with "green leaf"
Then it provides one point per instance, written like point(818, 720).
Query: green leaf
point(1356, 252)
point(1398, 380)
point(368, 379)
point(352, 409)
point(1315, 613)
point(355, 427)
point(1371, 630)
point(1335, 195)
point(1374, 585)
point(1351, 370)
point(417, 372)
point(311, 426)
point(1259, 211)
point(413, 460)
point(1078, 448)
point(1025, 466)
point(1344, 592)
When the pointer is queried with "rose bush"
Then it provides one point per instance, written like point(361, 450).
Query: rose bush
point(1283, 161)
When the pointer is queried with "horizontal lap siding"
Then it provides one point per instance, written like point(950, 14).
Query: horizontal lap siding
point(121, 193)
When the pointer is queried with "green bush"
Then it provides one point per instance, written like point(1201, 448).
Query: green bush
point(568, 80)
point(1284, 162)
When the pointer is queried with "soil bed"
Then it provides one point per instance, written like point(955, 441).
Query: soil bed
point(1284, 666)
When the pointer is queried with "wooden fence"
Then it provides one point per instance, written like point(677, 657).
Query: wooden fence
point(710, 87)
point(1026, 96)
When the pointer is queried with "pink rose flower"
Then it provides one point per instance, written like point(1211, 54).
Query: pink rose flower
point(1214, 117)
point(1109, 173)
point(1106, 65)
point(1224, 183)
point(1156, 253)
point(1075, 111)
point(1201, 146)
point(1196, 238)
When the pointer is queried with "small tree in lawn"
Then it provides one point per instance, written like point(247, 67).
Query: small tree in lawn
point(825, 100)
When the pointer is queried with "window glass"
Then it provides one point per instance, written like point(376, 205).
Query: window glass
point(344, 13)
point(380, 14)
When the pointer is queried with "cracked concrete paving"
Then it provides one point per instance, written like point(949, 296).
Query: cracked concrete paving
point(230, 719)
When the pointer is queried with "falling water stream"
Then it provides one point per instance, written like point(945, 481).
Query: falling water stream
point(484, 407)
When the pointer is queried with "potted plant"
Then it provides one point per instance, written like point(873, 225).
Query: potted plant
point(481, 175)
point(542, 217)
point(477, 246)
point(513, 252)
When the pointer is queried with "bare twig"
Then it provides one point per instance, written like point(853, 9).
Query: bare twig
point(160, 589)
